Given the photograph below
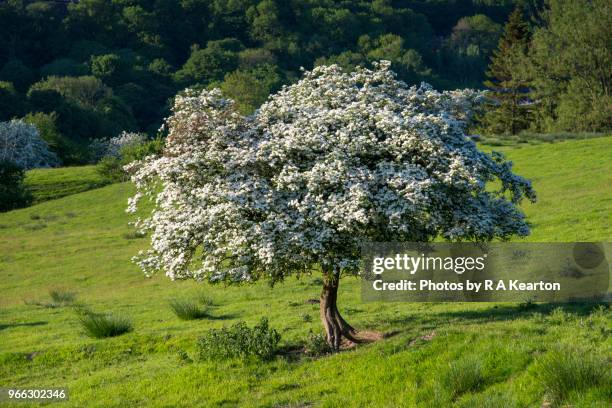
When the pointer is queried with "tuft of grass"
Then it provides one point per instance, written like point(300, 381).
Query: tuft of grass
point(102, 325)
point(62, 296)
point(206, 300)
point(188, 310)
point(183, 356)
point(59, 298)
point(34, 227)
point(565, 371)
point(464, 375)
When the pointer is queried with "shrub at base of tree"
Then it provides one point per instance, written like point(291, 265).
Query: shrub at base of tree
point(316, 345)
point(240, 341)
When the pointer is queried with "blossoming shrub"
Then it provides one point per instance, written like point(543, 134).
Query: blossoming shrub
point(324, 164)
point(240, 341)
point(20, 142)
point(122, 141)
point(101, 148)
point(121, 150)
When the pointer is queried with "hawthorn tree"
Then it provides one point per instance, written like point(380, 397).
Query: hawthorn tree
point(324, 164)
point(21, 143)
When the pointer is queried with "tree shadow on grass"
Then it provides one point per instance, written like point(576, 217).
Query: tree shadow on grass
point(516, 311)
point(27, 324)
point(495, 312)
point(292, 353)
point(227, 316)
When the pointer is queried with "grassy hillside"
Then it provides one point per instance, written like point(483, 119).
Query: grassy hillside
point(49, 184)
point(573, 181)
point(470, 355)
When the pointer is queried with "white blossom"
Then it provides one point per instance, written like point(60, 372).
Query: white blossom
point(324, 164)
point(112, 147)
point(20, 142)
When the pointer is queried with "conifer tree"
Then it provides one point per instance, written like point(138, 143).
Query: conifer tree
point(508, 111)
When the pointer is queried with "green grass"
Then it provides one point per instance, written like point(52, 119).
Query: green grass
point(49, 184)
point(527, 138)
point(85, 246)
point(564, 372)
point(573, 181)
point(464, 375)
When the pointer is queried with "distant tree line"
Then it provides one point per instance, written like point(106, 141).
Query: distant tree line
point(93, 68)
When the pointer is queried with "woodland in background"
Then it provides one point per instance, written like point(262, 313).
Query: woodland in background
point(93, 68)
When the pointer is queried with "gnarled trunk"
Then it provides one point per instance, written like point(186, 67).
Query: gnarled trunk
point(335, 326)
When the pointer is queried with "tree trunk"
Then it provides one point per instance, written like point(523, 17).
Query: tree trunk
point(335, 326)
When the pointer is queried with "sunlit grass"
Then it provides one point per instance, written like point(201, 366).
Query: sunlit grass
point(85, 246)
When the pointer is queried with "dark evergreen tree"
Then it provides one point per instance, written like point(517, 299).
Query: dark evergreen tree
point(509, 109)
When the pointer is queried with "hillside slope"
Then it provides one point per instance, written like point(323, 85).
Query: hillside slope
point(573, 181)
point(49, 184)
point(82, 243)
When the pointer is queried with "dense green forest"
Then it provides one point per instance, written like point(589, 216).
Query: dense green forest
point(87, 69)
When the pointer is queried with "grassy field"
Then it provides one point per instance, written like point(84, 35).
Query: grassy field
point(443, 354)
point(573, 180)
point(49, 184)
